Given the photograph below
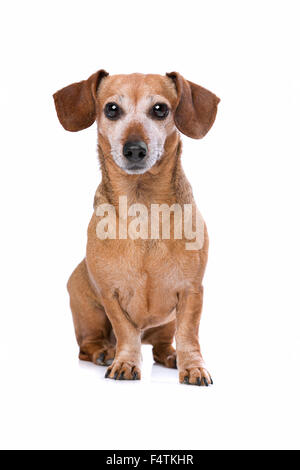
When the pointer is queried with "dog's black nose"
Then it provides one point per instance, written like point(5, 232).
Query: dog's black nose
point(135, 151)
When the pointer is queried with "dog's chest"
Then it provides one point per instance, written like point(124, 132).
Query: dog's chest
point(146, 275)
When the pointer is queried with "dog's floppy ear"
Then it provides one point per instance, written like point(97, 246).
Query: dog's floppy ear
point(76, 104)
point(196, 107)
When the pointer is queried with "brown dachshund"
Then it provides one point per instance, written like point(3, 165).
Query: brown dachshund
point(140, 286)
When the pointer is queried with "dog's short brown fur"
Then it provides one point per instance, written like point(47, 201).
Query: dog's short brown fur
point(128, 292)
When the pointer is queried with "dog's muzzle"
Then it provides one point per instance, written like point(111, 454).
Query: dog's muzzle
point(135, 151)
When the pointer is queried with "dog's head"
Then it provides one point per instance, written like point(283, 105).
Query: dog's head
point(136, 114)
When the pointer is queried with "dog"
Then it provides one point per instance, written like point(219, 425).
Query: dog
point(139, 290)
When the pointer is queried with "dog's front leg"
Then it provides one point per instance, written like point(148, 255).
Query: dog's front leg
point(126, 365)
point(192, 369)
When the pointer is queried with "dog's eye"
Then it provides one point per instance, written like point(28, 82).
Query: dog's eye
point(112, 111)
point(160, 111)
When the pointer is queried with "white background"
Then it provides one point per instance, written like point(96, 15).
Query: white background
point(245, 175)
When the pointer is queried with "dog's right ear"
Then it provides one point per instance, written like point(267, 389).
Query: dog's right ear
point(76, 104)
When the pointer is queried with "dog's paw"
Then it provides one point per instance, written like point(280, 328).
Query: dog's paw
point(123, 370)
point(104, 356)
point(171, 361)
point(167, 360)
point(195, 376)
point(165, 356)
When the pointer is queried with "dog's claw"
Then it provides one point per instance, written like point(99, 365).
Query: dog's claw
point(100, 359)
point(122, 371)
point(211, 381)
point(198, 376)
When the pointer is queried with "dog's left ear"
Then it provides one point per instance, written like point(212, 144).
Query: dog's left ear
point(76, 104)
point(196, 107)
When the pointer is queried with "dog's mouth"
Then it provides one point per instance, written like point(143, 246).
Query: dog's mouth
point(135, 169)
